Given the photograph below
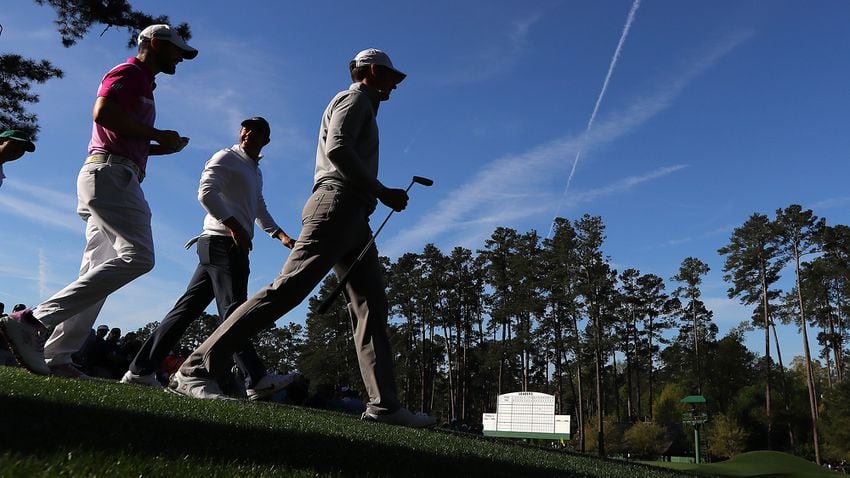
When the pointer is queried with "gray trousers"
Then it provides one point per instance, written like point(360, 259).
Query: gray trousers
point(334, 230)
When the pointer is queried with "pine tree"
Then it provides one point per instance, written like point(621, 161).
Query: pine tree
point(527, 303)
point(798, 232)
point(655, 305)
point(752, 268)
point(835, 261)
point(404, 295)
point(559, 283)
point(626, 330)
point(694, 315)
point(597, 289)
point(497, 253)
point(16, 77)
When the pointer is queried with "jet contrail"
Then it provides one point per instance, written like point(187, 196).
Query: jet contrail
point(43, 271)
point(611, 67)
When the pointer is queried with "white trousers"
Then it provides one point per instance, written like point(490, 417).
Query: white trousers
point(119, 248)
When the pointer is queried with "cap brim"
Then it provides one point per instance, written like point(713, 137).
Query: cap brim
point(401, 76)
point(188, 52)
point(29, 146)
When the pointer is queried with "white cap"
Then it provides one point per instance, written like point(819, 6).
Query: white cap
point(373, 56)
point(165, 32)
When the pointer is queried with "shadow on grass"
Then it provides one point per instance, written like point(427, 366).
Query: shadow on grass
point(33, 427)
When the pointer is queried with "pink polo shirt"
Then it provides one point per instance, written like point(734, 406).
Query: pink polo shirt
point(130, 85)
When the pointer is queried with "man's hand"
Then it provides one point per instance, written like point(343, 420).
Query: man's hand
point(285, 239)
point(169, 141)
point(395, 199)
point(239, 234)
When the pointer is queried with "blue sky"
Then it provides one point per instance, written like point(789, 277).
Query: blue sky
point(712, 111)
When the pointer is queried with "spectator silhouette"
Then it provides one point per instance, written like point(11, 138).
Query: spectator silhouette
point(128, 347)
point(6, 357)
point(81, 357)
point(103, 352)
point(95, 355)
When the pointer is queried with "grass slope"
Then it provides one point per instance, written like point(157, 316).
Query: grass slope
point(58, 427)
point(762, 464)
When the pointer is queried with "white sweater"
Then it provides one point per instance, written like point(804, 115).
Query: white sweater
point(232, 185)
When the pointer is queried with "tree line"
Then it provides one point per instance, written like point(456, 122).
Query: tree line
point(617, 349)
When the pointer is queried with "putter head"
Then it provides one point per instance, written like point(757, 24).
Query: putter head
point(422, 181)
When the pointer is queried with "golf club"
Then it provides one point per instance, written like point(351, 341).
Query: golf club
point(325, 305)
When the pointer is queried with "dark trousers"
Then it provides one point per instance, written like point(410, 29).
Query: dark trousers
point(222, 274)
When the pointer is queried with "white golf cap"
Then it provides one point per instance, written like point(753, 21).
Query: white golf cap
point(165, 32)
point(373, 56)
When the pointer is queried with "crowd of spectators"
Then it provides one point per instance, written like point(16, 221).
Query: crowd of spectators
point(105, 354)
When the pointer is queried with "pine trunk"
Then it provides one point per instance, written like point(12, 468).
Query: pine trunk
point(785, 392)
point(835, 344)
point(765, 306)
point(600, 418)
point(696, 346)
point(651, 368)
point(810, 381)
point(580, 399)
point(452, 395)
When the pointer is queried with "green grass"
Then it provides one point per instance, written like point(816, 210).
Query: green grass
point(763, 464)
point(58, 427)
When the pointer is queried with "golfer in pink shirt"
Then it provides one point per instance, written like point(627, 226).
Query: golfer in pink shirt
point(119, 244)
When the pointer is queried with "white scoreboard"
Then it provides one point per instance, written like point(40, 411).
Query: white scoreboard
point(526, 415)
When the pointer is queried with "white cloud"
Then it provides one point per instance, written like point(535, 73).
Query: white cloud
point(831, 203)
point(41, 206)
point(500, 55)
point(724, 230)
point(43, 273)
point(622, 185)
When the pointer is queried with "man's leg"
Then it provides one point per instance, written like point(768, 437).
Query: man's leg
point(119, 248)
point(199, 293)
point(229, 269)
point(63, 341)
point(302, 271)
point(368, 311)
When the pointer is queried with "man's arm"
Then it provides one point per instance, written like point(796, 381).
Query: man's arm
point(348, 163)
point(346, 120)
point(267, 223)
point(214, 177)
point(284, 238)
point(111, 115)
point(238, 233)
